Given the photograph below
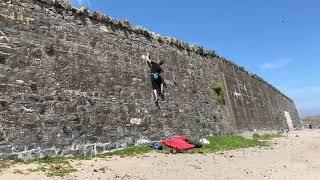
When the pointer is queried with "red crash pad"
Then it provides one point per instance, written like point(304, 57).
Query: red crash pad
point(182, 138)
point(178, 144)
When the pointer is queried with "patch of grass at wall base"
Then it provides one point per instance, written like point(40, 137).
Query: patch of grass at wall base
point(266, 136)
point(49, 160)
point(60, 166)
point(231, 142)
point(131, 151)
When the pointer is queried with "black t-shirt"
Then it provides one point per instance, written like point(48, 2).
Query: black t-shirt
point(155, 67)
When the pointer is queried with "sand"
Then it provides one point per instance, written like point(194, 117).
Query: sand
point(296, 156)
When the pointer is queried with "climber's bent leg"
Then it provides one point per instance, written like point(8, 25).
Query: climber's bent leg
point(161, 91)
point(155, 92)
point(161, 87)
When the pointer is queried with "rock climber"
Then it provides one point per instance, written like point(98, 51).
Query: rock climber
point(156, 79)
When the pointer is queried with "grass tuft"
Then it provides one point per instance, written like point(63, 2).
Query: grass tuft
point(44, 160)
point(53, 166)
point(18, 171)
point(217, 88)
point(230, 142)
point(265, 136)
point(51, 160)
point(55, 169)
point(131, 151)
point(4, 165)
point(60, 170)
point(38, 169)
point(19, 161)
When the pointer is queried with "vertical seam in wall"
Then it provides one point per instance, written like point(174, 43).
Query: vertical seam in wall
point(237, 82)
point(254, 103)
point(283, 123)
point(229, 102)
point(273, 123)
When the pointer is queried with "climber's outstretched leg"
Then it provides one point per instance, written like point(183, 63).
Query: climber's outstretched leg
point(161, 91)
point(155, 92)
point(156, 96)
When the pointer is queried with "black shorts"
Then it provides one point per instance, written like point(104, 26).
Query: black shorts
point(156, 83)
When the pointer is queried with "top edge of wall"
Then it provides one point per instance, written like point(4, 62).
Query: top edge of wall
point(125, 25)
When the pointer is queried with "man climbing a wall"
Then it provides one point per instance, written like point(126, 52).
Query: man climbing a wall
point(156, 80)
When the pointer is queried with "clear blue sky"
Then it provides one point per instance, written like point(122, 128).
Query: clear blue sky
point(277, 39)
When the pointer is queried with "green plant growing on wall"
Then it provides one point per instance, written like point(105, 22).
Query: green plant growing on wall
point(217, 88)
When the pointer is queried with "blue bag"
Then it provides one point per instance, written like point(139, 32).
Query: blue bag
point(156, 145)
point(155, 76)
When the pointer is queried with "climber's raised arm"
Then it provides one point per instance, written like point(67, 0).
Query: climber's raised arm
point(147, 57)
point(161, 62)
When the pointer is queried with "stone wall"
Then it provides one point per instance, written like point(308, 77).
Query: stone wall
point(253, 104)
point(73, 83)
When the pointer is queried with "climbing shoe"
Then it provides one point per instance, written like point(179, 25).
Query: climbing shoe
point(162, 96)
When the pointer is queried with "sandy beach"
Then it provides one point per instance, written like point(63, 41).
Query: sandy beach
point(295, 156)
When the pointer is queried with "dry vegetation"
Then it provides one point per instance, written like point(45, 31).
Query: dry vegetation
point(4, 165)
point(311, 120)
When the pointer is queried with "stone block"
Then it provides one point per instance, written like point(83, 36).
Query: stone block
point(18, 148)
point(10, 157)
point(110, 146)
point(75, 153)
point(48, 153)
point(100, 148)
point(35, 153)
point(89, 150)
point(25, 155)
point(7, 149)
